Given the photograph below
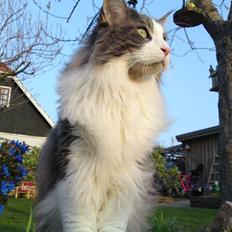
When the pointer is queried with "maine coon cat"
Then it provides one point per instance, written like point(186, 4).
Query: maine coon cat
point(92, 173)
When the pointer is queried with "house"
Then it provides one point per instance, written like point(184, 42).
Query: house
point(21, 117)
point(202, 148)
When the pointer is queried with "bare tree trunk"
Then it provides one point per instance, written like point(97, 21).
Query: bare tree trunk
point(220, 31)
point(224, 57)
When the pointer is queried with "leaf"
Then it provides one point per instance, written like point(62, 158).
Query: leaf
point(29, 224)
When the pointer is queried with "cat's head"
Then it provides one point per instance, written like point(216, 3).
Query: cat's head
point(123, 33)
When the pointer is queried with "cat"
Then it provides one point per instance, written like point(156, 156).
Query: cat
point(93, 173)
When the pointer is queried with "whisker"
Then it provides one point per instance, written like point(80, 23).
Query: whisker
point(133, 63)
point(142, 54)
point(105, 60)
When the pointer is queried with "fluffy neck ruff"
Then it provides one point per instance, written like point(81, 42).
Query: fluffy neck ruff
point(119, 114)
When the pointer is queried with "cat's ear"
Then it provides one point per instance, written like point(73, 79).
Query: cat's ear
point(113, 11)
point(164, 18)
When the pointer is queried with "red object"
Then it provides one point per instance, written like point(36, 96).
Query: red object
point(185, 182)
point(26, 187)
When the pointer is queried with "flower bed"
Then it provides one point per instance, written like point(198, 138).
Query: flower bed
point(12, 170)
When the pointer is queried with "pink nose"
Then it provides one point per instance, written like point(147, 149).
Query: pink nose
point(165, 50)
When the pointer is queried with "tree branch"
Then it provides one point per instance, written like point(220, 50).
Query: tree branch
point(230, 13)
point(212, 19)
point(48, 12)
point(209, 9)
point(75, 6)
point(27, 44)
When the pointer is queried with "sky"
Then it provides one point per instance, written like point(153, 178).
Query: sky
point(189, 103)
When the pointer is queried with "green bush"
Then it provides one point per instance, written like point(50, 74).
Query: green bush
point(30, 162)
point(167, 177)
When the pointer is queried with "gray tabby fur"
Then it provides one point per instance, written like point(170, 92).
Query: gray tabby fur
point(121, 34)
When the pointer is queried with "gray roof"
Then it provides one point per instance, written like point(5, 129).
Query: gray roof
point(198, 134)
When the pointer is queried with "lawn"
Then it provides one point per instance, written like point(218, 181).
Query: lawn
point(16, 214)
point(190, 219)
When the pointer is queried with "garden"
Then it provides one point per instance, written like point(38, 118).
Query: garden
point(17, 166)
point(18, 163)
point(165, 219)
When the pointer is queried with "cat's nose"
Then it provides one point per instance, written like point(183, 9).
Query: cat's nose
point(165, 50)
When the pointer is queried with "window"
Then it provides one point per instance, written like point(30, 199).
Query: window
point(5, 93)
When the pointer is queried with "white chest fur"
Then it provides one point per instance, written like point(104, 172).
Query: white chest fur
point(120, 119)
point(117, 112)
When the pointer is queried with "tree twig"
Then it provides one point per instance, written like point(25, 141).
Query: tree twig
point(48, 12)
point(143, 5)
point(73, 9)
point(89, 26)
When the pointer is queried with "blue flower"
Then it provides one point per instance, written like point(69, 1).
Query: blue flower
point(4, 188)
point(5, 170)
point(12, 170)
point(12, 150)
point(1, 209)
point(11, 185)
point(19, 158)
point(23, 171)
point(18, 144)
point(24, 148)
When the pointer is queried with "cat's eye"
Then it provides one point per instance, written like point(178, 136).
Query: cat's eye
point(165, 37)
point(143, 32)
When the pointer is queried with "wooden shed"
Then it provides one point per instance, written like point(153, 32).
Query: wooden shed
point(202, 149)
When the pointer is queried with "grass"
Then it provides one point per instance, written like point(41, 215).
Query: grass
point(161, 224)
point(188, 219)
point(16, 215)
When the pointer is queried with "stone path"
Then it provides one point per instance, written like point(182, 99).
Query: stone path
point(174, 202)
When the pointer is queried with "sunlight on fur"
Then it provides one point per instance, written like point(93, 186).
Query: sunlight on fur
point(94, 173)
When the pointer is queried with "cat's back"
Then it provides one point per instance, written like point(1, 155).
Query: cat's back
point(53, 158)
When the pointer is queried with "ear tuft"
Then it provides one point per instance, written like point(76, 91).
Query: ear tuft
point(164, 18)
point(113, 11)
point(102, 16)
